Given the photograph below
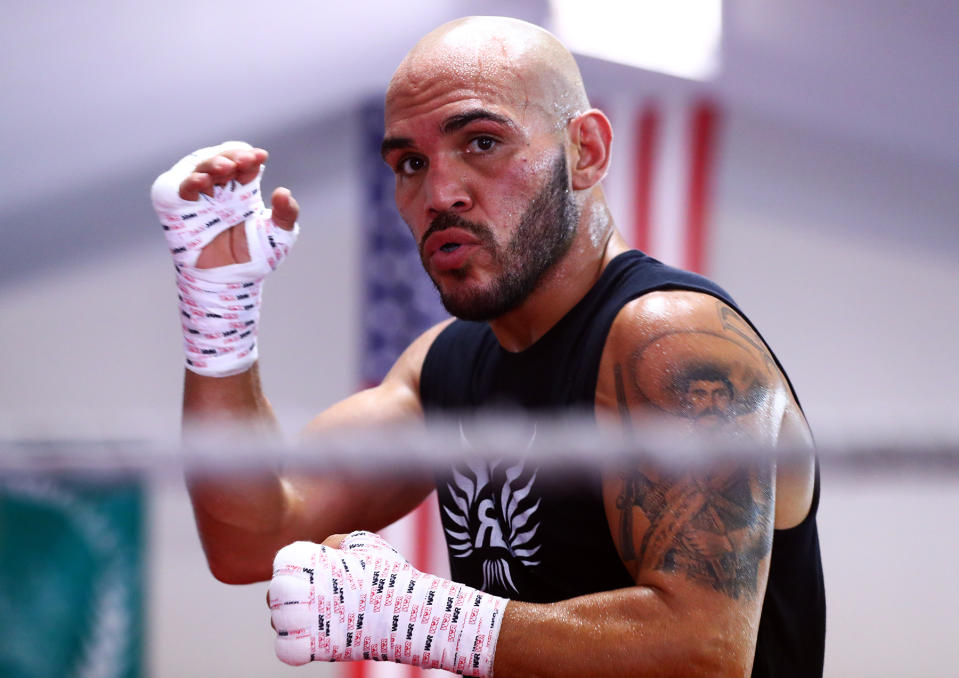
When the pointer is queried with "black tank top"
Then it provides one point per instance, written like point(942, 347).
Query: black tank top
point(541, 535)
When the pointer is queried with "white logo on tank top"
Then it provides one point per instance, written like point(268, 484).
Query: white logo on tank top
point(498, 526)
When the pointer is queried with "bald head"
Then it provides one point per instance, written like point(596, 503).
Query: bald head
point(496, 55)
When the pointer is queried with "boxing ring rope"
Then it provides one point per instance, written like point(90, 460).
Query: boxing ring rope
point(567, 442)
point(899, 458)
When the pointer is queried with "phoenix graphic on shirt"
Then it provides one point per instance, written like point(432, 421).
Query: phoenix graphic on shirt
point(493, 517)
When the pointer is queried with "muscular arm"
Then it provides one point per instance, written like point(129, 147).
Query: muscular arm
point(696, 540)
point(244, 518)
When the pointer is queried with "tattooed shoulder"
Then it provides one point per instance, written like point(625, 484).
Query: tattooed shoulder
point(715, 528)
point(698, 360)
point(695, 361)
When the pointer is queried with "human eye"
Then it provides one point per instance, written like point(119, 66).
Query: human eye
point(409, 165)
point(482, 144)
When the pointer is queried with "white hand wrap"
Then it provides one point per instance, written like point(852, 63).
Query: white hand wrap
point(219, 307)
point(365, 601)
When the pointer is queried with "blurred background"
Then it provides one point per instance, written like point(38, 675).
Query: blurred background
point(802, 153)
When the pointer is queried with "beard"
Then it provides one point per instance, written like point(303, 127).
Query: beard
point(543, 236)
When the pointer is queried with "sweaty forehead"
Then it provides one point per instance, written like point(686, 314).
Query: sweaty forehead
point(446, 71)
point(498, 61)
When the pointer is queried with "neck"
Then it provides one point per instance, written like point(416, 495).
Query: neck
point(597, 243)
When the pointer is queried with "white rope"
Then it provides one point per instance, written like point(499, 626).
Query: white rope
point(559, 443)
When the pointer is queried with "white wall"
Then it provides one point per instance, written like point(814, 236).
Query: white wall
point(847, 258)
point(92, 336)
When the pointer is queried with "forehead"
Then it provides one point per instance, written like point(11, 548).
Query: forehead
point(421, 100)
point(464, 69)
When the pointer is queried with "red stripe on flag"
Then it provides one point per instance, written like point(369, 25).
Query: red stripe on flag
point(703, 134)
point(648, 128)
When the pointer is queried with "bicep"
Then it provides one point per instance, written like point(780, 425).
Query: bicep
point(322, 503)
point(388, 403)
point(358, 498)
point(396, 400)
point(701, 532)
point(681, 363)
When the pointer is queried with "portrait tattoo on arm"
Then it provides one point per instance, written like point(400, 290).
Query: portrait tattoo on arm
point(713, 526)
point(710, 377)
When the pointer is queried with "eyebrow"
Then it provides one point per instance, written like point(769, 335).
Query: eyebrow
point(458, 122)
point(451, 124)
point(394, 143)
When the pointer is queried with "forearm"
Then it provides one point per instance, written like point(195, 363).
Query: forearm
point(638, 631)
point(236, 512)
point(245, 517)
point(224, 242)
point(237, 400)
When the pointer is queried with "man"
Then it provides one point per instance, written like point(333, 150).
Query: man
point(646, 571)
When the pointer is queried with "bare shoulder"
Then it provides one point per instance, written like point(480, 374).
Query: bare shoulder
point(677, 317)
point(690, 358)
point(691, 355)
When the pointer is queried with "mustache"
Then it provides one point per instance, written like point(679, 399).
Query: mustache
point(723, 414)
point(447, 220)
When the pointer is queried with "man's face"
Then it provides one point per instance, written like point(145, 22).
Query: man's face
point(708, 401)
point(484, 189)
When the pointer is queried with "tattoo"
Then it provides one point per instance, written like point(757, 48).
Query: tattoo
point(677, 374)
point(714, 528)
point(706, 393)
point(625, 501)
point(621, 395)
point(732, 322)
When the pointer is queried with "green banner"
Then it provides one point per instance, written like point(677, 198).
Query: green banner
point(71, 578)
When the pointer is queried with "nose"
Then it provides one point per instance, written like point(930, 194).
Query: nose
point(447, 189)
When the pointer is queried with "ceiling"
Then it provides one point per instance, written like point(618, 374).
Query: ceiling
point(91, 87)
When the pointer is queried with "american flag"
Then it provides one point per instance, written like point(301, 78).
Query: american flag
point(660, 182)
point(399, 301)
point(659, 193)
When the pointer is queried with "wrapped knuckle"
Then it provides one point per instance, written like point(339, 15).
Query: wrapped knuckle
point(219, 306)
point(364, 601)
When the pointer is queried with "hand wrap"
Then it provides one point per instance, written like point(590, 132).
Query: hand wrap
point(365, 601)
point(219, 307)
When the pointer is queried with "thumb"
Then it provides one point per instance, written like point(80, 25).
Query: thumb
point(334, 540)
point(285, 209)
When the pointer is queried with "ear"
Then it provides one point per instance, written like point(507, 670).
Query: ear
point(591, 139)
